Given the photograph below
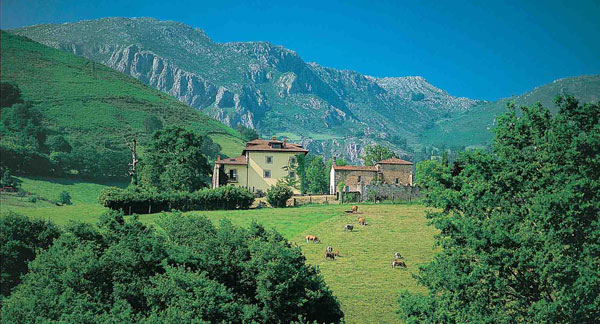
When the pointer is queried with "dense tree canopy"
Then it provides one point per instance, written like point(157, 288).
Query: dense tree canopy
point(247, 133)
point(189, 272)
point(174, 161)
point(519, 227)
point(21, 239)
point(376, 153)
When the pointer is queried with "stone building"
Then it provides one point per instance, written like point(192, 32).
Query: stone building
point(390, 171)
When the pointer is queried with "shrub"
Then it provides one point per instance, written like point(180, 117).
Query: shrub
point(33, 199)
point(65, 198)
point(142, 201)
point(278, 195)
point(21, 239)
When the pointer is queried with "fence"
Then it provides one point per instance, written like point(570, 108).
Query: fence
point(316, 199)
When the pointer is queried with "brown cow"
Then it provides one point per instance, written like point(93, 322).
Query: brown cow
point(355, 209)
point(362, 221)
point(336, 253)
point(398, 263)
point(312, 238)
point(329, 255)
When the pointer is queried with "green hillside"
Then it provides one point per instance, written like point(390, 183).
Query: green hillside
point(93, 104)
point(472, 127)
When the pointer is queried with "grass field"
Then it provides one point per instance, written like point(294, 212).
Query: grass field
point(362, 277)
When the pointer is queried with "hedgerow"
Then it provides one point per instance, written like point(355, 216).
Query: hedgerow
point(140, 201)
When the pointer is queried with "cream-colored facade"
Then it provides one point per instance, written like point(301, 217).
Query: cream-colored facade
point(261, 165)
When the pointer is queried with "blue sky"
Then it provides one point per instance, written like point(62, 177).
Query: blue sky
point(477, 49)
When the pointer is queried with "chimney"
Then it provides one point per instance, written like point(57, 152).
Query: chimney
point(284, 142)
point(274, 138)
point(333, 161)
point(218, 157)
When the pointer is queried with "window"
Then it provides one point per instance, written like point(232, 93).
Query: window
point(276, 145)
point(292, 174)
point(397, 180)
point(292, 160)
point(359, 178)
point(233, 175)
point(268, 159)
point(266, 173)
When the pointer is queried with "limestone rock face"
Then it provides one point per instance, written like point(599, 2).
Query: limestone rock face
point(258, 84)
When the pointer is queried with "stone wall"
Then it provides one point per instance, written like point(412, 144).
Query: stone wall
point(390, 192)
point(391, 172)
point(350, 177)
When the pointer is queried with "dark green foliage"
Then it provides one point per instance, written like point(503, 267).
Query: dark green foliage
point(142, 201)
point(10, 94)
point(279, 194)
point(519, 227)
point(152, 124)
point(192, 271)
point(376, 153)
point(7, 179)
point(174, 161)
point(64, 198)
point(248, 134)
point(57, 143)
point(22, 122)
point(317, 176)
point(21, 239)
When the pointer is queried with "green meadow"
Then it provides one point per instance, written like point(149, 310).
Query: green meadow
point(362, 277)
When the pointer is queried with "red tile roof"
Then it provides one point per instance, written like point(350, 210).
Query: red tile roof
point(239, 160)
point(266, 145)
point(394, 161)
point(355, 168)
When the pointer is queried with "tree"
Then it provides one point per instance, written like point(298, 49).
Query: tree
point(23, 121)
point(10, 94)
point(279, 194)
point(247, 133)
point(57, 143)
point(376, 153)
point(175, 162)
point(300, 168)
point(191, 271)
point(317, 176)
point(64, 198)
point(519, 227)
point(21, 239)
point(7, 179)
point(152, 124)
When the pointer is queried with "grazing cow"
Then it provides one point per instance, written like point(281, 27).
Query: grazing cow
point(336, 253)
point(349, 227)
point(312, 238)
point(329, 255)
point(355, 209)
point(398, 263)
point(362, 221)
point(397, 256)
point(329, 248)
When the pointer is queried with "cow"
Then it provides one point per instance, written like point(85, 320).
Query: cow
point(312, 238)
point(336, 253)
point(329, 255)
point(354, 209)
point(349, 227)
point(398, 263)
point(397, 256)
point(362, 221)
point(329, 248)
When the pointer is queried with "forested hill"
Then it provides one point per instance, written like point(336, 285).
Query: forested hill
point(473, 128)
point(94, 107)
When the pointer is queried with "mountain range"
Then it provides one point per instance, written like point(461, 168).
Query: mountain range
point(272, 89)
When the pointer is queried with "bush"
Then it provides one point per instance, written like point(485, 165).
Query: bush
point(21, 239)
point(141, 201)
point(278, 195)
point(65, 198)
point(190, 272)
point(33, 199)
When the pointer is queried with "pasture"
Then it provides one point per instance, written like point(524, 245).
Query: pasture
point(362, 277)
